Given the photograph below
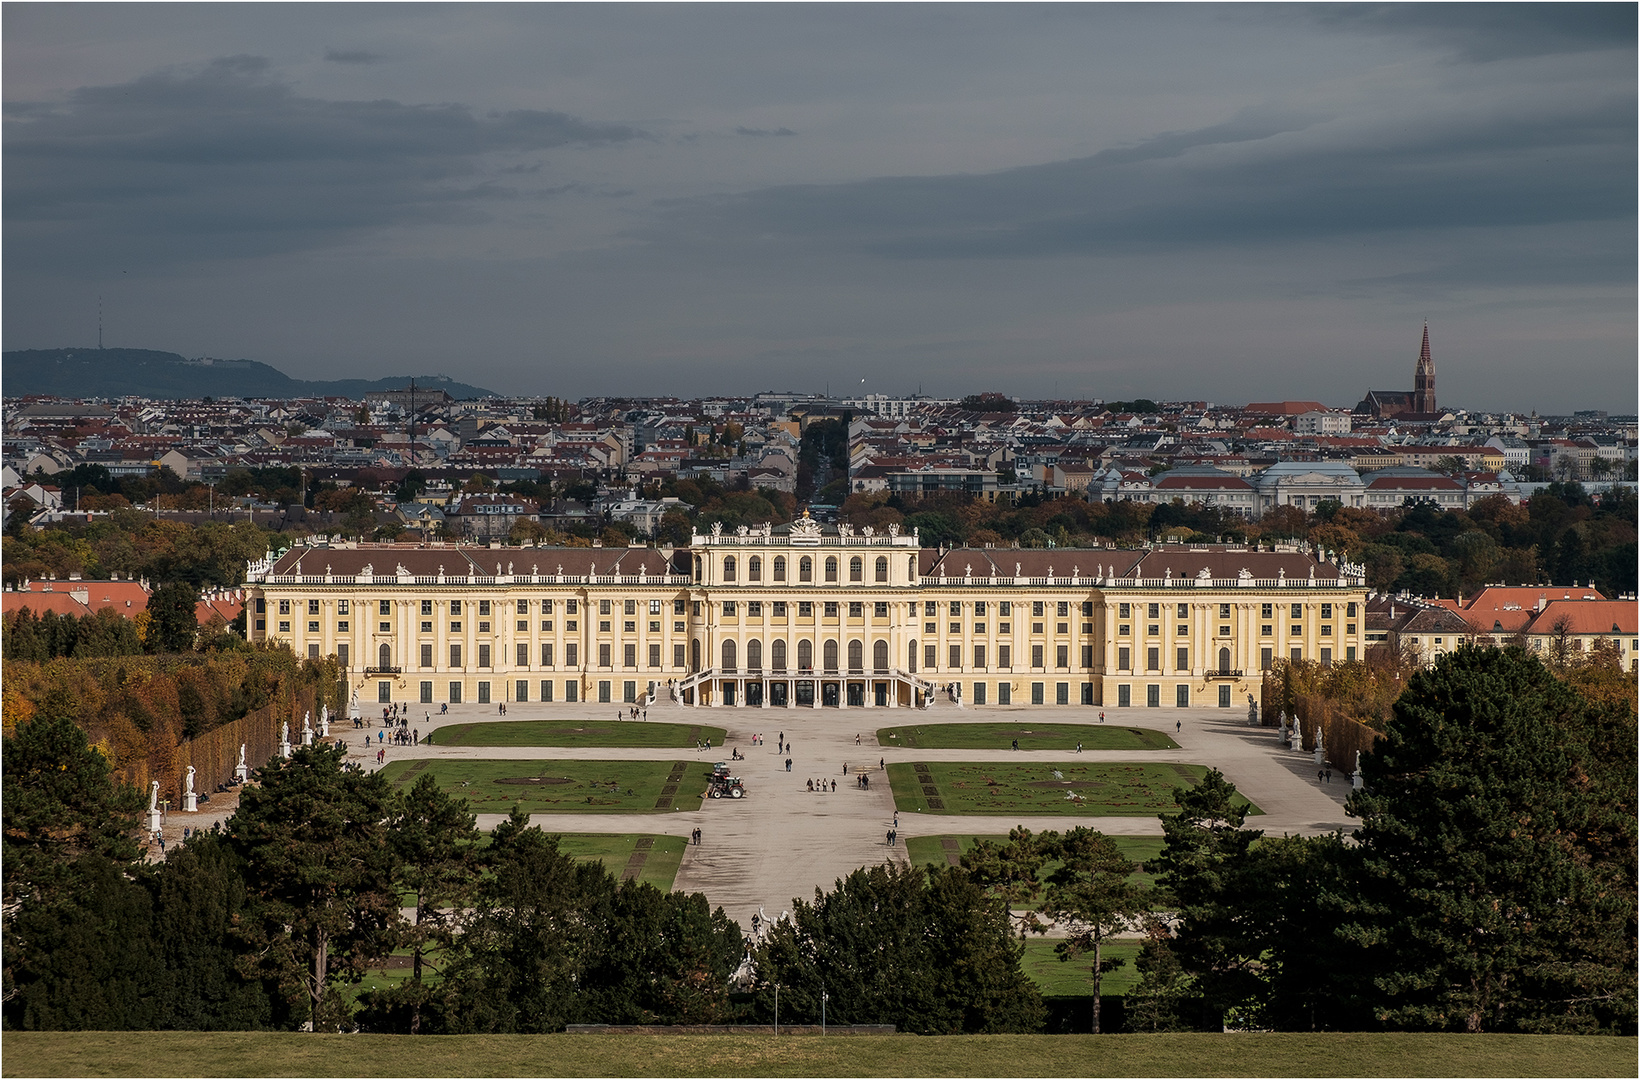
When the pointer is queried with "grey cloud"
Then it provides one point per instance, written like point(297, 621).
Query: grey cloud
point(353, 56)
point(1255, 180)
point(229, 160)
point(1486, 32)
point(763, 132)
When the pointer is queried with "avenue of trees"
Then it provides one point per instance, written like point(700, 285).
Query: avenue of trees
point(1489, 888)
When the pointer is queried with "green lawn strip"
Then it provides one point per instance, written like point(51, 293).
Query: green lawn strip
point(932, 850)
point(615, 850)
point(564, 786)
point(1031, 736)
point(1073, 978)
point(177, 1053)
point(619, 734)
point(1017, 787)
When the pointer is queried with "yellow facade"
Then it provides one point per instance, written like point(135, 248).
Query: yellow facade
point(808, 618)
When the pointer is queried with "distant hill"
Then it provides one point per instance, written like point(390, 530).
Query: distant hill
point(87, 373)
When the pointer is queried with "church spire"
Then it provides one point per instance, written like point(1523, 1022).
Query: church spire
point(1423, 380)
point(1423, 353)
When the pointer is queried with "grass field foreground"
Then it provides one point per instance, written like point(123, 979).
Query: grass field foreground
point(84, 1053)
point(624, 734)
point(538, 787)
point(1030, 735)
point(1139, 789)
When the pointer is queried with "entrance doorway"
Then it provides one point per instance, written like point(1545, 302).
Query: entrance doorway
point(728, 693)
point(754, 693)
point(777, 695)
point(881, 691)
point(805, 692)
point(828, 695)
point(857, 694)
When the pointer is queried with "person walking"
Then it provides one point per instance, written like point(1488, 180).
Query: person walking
point(1101, 717)
point(834, 784)
point(1178, 725)
point(788, 764)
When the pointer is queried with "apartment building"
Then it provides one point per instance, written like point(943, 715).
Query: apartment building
point(810, 617)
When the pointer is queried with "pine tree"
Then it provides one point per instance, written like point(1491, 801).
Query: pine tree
point(1497, 854)
point(435, 842)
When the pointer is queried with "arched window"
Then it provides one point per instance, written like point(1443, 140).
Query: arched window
point(754, 655)
point(754, 568)
point(882, 568)
point(879, 656)
point(856, 569)
point(911, 657)
point(694, 655)
point(831, 568)
point(911, 567)
point(729, 655)
point(805, 569)
point(856, 656)
point(829, 653)
point(728, 568)
point(697, 567)
point(805, 655)
point(384, 656)
point(1224, 659)
point(777, 655)
point(780, 568)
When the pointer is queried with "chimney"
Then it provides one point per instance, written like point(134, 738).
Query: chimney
point(1542, 603)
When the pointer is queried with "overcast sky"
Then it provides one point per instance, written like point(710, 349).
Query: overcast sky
point(1221, 202)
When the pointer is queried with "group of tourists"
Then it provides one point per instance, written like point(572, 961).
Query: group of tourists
point(820, 785)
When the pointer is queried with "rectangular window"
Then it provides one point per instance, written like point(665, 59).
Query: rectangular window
point(1036, 693)
point(1326, 611)
point(313, 607)
point(455, 628)
point(1124, 611)
point(1153, 660)
point(1183, 611)
point(484, 628)
point(629, 656)
point(1005, 656)
point(1183, 660)
point(1266, 630)
point(1062, 656)
point(629, 691)
point(1124, 696)
point(1349, 652)
point(427, 693)
point(522, 626)
point(455, 607)
point(546, 654)
point(956, 608)
point(956, 627)
point(1326, 658)
point(1224, 611)
point(572, 691)
point(603, 607)
point(483, 656)
point(1266, 659)
point(1036, 611)
point(780, 609)
point(1326, 630)
point(603, 691)
point(603, 655)
point(1349, 628)
point(313, 651)
point(1124, 659)
point(754, 609)
point(1087, 656)
point(426, 656)
point(521, 690)
point(677, 655)
point(1266, 611)
point(1087, 693)
point(454, 697)
point(426, 607)
point(1181, 696)
point(979, 609)
point(284, 607)
point(1036, 656)
point(1005, 608)
point(455, 656)
point(284, 626)
point(956, 658)
point(1087, 607)
point(630, 607)
point(483, 693)
point(1297, 654)
point(857, 610)
point(341, 607)
point(572, 606)
point(261, 624)
point(1181, 631)
point(655, 655)
point(879, 611)
point(1062, 693)
point(1224, 695)
point(677, 607)
point(979, 693)
point(979, 656)
point(1298, 611)
point(1349, 609)
point(384, 607)
point(1005, 694)
point(1155, 611)
point(546, 690)
point(930, 652)
point(1124, 629)
point(261, 606)
point(805, 609)
point(427, 626)
point(1153, 696)
point(313, 626)
point(483, 609)
point(1298, 630)
point(572, 656)
point(930, 608)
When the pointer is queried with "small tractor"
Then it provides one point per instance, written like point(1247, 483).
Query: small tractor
point(724, 786)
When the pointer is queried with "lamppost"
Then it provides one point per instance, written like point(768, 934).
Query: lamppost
point(823, 996)
point(777, 1009)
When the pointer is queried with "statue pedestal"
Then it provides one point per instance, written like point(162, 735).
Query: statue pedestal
point(241, 774)
point(1320, 757)
point(1355, 780)
point(154, 820)
point(284, 748)
point(324, 729)
point(190, 803)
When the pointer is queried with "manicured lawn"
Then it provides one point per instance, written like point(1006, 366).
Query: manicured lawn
point(1032, 735)
point(1073, 978)
point(625, 733)
point(178, 1053)
point(616, 850)
point(1018, 787)
point(495, 787)
point(934, 850)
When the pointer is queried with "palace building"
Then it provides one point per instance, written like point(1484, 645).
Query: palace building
point(809, 617)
